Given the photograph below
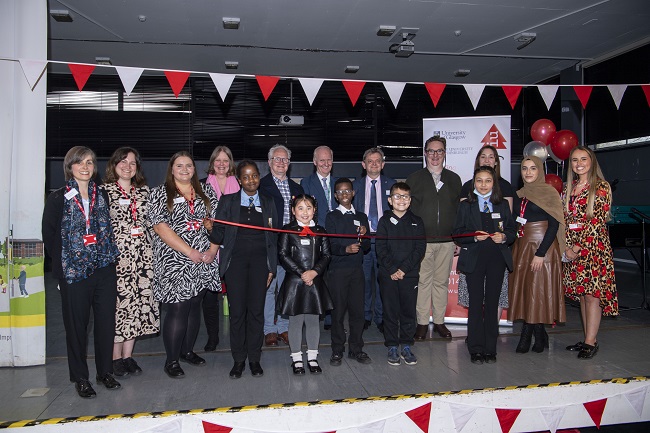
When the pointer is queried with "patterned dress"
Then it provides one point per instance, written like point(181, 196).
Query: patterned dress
point(176, 277)
point(137, 311)
point(592, 272)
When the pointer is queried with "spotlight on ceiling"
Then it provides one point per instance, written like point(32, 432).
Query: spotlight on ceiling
point(461, 73)
point(231, 64)
point(525, 39)
point(103, 61)
point(231, 23)
point(351, 69)
point(403, 45)
point(61, 15)
point(386, 30)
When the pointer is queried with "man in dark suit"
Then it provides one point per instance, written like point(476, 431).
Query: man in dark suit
point(371, 197)
point(278, 185)
point(320, 184)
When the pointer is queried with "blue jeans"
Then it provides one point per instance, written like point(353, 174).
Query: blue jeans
point(270, 324)
point(372, 285)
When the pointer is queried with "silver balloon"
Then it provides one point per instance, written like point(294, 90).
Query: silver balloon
point(552, 155)
point(536, 148)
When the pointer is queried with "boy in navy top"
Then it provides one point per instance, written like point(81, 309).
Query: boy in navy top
point(345, 278)
point(400, 247)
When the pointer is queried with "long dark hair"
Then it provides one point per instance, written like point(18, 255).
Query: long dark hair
point(304, 197)
point(170, 184)
point(117, 157)
point(496, 196)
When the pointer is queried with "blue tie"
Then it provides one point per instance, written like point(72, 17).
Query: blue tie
point(326, 189)
point(486, 208)
point(250, 201)
point(372, 209)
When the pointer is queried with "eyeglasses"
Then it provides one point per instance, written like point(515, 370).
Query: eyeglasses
point(434, 151)
point(401, 197)
point(280, 160)
point(343, 191)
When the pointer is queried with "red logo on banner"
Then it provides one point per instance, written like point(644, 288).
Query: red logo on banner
point(494, 138)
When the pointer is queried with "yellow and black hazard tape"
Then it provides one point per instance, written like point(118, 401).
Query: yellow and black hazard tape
point(235, 409)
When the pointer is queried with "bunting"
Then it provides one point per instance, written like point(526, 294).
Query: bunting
point(222, 82)
point(311, 86)
point(552, 417)
point(512, 93)
point(617, 91)
point(395, 90)
point(267, 84)
point(420, 416)
point(177, 80)
point(461, 414)
point(373, 427)
point(129, 77)
point(646, 90)
point(474, 91)
point(174, 426)
point(548, 94)
point(507, 418)
point(636, 399)
point(81, 73)
point(33, 70)
point(435, 92)
point(209, 427)
point(583, 93)
point(595, 410)
point(354, 89)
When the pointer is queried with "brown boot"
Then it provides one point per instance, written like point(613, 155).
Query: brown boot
point(421, 332)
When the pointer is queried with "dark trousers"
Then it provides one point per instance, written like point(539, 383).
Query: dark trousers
point(399, 299)
point(246, 279)
point(346, 286)
point(211, 313)
point(99, 292)
point(370, 272)
point(482, 323)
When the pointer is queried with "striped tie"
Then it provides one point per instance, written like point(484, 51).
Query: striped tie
point(486, 208)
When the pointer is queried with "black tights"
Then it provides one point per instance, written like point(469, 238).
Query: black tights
point(181, 327)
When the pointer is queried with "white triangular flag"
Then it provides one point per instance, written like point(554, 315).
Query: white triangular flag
point(33, 70)
point(373, 427)
point(222, 82)
point(474, 91)
point(129, 77)
point(617, 91)
point(175, 426)
point(553, 416)
point(461, 414)
point(548, 94)
point(394, 90)
point(311, 86)
point(636, 398)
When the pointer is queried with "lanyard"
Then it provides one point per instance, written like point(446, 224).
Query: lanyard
point(190, 202)
point(90, 207)
point(132, 204)
point(522, 211)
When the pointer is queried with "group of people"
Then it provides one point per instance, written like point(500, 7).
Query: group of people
point(372, 250)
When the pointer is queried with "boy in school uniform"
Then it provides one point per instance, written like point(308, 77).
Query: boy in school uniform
point(400, 244)
point(345, 278)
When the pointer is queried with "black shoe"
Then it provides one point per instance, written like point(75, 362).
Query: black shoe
point(174, 370)
point(588, 351)
point(256, 369)
point(336, 358)
point(132, 366)
point(361, 357)
point(298, 368)
point(366, 324)
point(108, 381)
point(314, 368)
point(119, 368)
point(84, 389)
point(575, 347)
point(525, 339)
point(192, 358)
point(212, 344)
point(380, 326)
point(489, 358)
point(541, 338)
point(237, 370)
point(477, 358)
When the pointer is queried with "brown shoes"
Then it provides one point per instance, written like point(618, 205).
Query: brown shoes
point(421, 332)
point(271, 339)
point(284, 337)
point(442, 330)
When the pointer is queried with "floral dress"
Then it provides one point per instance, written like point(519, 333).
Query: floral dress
point(136, 311)
point(592, 272)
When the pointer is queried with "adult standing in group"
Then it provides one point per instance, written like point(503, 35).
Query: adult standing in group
point(589, 274)
point(136, 309)
point(184, 258)
point(535, 286)
point(435, 193)
point(278, 185)
point(77, 234)
point(221, 178)
point(245, 255)
point(371, 197)
point(320, 184)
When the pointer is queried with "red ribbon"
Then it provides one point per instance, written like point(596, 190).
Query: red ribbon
point(306, 231)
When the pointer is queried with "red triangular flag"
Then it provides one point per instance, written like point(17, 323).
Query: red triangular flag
point(507, 418)
point(354, 89)
point(80, 73)
point(646, 90)
point(512, 93)
point(435, 92)
point(267, 84)
point(215, 428)
point(583, 93)
point(177, 80)
point(595, 410)
point(420, 416)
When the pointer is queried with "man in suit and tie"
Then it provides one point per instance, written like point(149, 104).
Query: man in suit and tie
point(371, 197)
point(278, 185)
point(320, 184)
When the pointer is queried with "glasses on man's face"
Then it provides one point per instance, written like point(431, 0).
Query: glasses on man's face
point(343, 192)
point(401, 197)
point(280, 160)
point(432, 152)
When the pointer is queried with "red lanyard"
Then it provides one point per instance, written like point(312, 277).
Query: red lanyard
point(132, 204)
point(522, 208)
point(90, 207)
point(190, 202)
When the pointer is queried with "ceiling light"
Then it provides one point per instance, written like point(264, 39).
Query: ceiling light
point(461, 73)
point(351, 69)
point(386, 30)
point(103, 61)
point(142, 18)
point(231, 64)
point(525, 39)
point(231, 23)
point(61, 15)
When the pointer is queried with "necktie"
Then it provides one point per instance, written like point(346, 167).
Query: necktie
point(250, 201)
point(349, 212)
point(486, 208)
point(327, 194)
point(372, 209)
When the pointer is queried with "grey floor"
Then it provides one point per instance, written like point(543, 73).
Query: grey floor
point(442, 366)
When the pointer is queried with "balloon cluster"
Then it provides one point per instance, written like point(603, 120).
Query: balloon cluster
point(548, 141)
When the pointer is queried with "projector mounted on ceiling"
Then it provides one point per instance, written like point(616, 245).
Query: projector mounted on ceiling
point(292, 120)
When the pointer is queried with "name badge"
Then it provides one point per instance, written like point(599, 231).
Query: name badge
point(393, 220)
point(521, 220)
point(125, 202)
point(89, 240)
point(179, 200)
point(258, 209)
point(439, 185)
point(137, 231)
point(193, 226)
point(305, 242)
point(575, 226)
point(68, 195)
point(357, 223)
point(496, 215)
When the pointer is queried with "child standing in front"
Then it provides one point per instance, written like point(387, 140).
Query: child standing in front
point(401, 244)
point(303, 295)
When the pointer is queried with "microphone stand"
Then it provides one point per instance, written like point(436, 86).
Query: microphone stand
point(638, 215)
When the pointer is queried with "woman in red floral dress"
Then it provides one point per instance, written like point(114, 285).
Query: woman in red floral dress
point(589, 268)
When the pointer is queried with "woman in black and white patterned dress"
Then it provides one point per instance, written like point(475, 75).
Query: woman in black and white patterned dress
point(184, 259)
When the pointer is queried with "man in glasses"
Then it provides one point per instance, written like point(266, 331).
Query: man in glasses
point(278, 185)
point(435, 194)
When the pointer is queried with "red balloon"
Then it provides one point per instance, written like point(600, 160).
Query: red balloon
point(563, 142)
point(542, 130)
point(555, 181)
